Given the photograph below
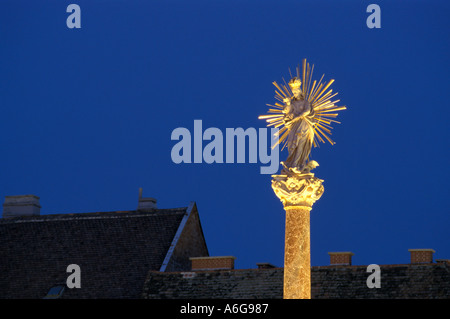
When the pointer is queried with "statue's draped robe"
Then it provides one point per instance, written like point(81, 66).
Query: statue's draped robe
point(301, 136)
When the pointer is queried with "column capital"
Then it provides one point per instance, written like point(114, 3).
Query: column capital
point(296, 189)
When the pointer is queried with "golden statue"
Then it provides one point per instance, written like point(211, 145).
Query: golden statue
point(305, 115)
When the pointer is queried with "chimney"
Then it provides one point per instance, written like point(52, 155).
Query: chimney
point(21, 205)
point(421, 256)
point(343, 258)
point(212, 263)
point(265, 265)
point(146, 203)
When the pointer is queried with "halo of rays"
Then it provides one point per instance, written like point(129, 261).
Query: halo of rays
point(320, 99)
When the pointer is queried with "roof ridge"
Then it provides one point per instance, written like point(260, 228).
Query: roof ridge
point(215, 270)
point(91, 215)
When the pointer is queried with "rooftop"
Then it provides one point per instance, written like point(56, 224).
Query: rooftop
point(115, 251)
point(406, 281)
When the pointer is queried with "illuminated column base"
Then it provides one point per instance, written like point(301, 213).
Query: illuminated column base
point(298, 192)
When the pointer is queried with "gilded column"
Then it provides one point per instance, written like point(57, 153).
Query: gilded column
point(297, 192)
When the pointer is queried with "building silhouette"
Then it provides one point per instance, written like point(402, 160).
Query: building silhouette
point(154, 253)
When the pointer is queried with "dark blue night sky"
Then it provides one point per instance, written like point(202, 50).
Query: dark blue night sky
point(86, 116)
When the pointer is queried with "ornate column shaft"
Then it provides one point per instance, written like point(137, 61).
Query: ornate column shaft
point(298, 192)
point(297, 254)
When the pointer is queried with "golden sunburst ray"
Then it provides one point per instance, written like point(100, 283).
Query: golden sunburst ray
point(316, 93)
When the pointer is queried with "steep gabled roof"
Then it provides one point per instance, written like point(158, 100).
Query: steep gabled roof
point(115, 251)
